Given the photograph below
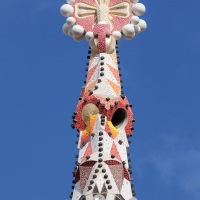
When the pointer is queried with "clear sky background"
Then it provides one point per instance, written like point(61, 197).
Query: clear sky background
point(41, 75)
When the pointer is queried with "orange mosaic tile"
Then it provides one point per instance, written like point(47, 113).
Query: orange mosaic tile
point(115, 87)
point(114, 131)
point(91, 86)
point(92, 122)
point(114, 58)
point(115, 72)
point(90, 73)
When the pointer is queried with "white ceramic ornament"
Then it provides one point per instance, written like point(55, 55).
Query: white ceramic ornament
point(77, 31)
point(117, 35)
point(70, 1)
point(89, 35)
point(70, 33)
point(138, 9)
point(143, 25)
point(128, 30)
point(65, 28)
point(137, 29)
point(71, 21)
point(78, 39)
point(129, 37)
point(135, 20)
point(66, 10)
point(135, 1)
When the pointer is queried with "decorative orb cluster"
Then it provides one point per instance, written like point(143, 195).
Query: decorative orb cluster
point(75, 30)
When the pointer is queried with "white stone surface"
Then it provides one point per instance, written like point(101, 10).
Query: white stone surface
point(99, 182)
point(95, 61)
point(77, 191)
point(126, 191)
point(122, 136)
point(122, 152)
point(107, 143)
point(109, 60)
point(93, 78)
point(82, 152)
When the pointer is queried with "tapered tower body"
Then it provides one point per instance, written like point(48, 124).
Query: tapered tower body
point(103, 115)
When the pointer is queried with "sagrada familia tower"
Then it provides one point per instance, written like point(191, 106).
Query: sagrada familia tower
point(103, 115)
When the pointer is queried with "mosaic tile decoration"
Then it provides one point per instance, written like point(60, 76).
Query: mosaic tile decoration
point(88, 20)
point(102, 166)
point(88, 152)
point(115, 152)
point(117, 173)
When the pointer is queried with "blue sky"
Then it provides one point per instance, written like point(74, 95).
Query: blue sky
point(41, 75)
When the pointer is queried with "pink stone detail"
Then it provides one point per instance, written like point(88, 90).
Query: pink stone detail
point(115, 152)
point(88, 152)
point(118, 174)
point(102, 30)
point(90, 2)
point(84, 175)
point(113, 2)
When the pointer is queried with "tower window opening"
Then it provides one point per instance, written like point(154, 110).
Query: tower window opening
point(119, 118)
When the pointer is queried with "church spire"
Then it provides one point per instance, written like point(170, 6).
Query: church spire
point(103, 115)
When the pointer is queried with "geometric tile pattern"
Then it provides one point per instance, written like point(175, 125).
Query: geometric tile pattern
point(107, 71)
point(117, 173)
point(103, 162)
point(88, 152)
point(115, 152)
point(84, 175)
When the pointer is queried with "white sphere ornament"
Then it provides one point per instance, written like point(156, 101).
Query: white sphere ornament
point(89, 35)
point(129, 37)
point(138, 9)
point(66, 10)
point(143, 25)
point(65, 28)
point(128, 30)
point(133, 198)
point(78, 39)
point(117, 35)
point(70, 33)
point(70, 1)
point(135, 1)
point(71, 21)
point(135, 20)
point(77, 30)
point(137, 29)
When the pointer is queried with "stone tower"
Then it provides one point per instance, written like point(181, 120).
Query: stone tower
point(103, 115)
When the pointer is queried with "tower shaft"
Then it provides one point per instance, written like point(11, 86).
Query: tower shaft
point(104, 119)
